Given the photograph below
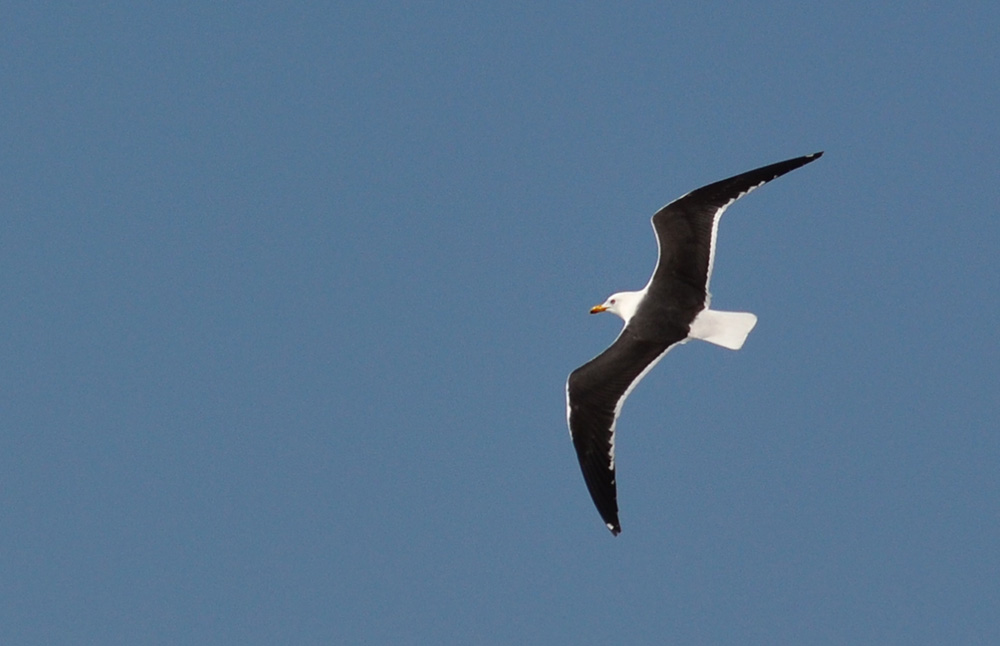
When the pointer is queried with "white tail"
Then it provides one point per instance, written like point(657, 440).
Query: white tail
point(728, 329)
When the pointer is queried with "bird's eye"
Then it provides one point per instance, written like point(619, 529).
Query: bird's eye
point(612, 301)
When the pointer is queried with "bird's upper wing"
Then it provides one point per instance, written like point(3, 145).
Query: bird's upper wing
point(595, 393)
point(686, 230)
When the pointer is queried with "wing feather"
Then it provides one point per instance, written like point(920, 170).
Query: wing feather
point(686, 231)
point(595, 393)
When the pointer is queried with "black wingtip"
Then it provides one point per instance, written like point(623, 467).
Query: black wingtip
point(615, 528)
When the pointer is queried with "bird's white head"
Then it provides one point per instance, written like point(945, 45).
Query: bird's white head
point(624, 304)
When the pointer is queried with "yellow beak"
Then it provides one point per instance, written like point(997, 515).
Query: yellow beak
point(597, 309)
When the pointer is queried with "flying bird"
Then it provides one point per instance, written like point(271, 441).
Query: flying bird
point(672, 308)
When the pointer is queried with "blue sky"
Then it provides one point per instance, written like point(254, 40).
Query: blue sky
point(291, 292)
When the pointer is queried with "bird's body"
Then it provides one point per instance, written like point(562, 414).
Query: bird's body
point(672, 308)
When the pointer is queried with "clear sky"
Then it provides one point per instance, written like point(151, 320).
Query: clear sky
point(290, 294)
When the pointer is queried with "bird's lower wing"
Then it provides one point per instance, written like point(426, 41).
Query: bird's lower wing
point(595, 393)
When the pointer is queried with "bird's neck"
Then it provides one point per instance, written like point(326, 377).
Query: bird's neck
point(628, 303)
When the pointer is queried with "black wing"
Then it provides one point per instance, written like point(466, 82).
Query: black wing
point(594, 394)
point(686, 228)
